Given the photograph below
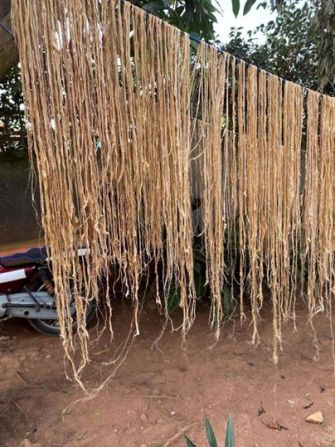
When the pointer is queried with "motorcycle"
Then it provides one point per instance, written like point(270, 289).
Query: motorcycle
point(27, 291)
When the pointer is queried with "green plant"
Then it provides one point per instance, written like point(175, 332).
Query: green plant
point(202, 288)
point(212, 442)
point(200, 280)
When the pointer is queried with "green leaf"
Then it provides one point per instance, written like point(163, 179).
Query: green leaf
point(230, 442)
point(248, 5)
point(262, 5)
point(210, 434)
point(236, 7)
point(189, 443)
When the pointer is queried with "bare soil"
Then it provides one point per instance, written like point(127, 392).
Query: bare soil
point(160, 393)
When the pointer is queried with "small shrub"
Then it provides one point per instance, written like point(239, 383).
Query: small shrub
point(212, 442)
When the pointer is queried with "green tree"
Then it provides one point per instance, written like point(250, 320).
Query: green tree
point(13, 138)
point(287, 46)
point(321, 24)
point(196, 17)
point(324, 29)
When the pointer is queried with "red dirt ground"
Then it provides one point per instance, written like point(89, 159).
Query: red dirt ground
point(157, 394)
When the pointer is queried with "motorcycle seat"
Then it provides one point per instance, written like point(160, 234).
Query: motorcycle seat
point(34, 255)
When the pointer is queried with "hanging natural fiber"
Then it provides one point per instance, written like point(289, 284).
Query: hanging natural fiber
point(128, 126)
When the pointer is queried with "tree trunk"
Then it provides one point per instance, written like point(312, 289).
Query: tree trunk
point(8, 49)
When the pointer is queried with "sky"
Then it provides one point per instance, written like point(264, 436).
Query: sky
point(227, 20)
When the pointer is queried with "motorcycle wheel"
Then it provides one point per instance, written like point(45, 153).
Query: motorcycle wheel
point(51, 327)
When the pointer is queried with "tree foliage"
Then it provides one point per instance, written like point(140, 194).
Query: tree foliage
point(324, 30)
point(321, 29)
point(287, 46)
point(236, 5)
point(13, 136)
point(196, 17)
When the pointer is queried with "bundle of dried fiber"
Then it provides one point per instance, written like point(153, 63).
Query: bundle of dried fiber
point(126, 123)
